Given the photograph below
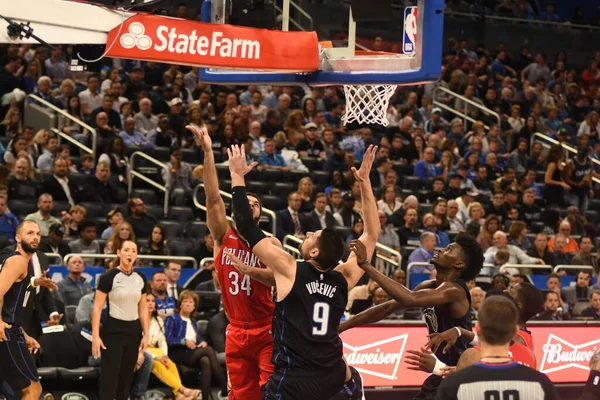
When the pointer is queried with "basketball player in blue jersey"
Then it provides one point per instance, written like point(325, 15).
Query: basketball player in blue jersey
point(311, 294)
point(17, 367)
point(446, 300)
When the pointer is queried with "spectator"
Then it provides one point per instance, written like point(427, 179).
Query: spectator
point(516, 255)
point(571, 245)
point(581, 290)
point(360, 293)
point(121, 233)
point(426, 168)
point(594, 309)
point(497, 208)
point(59, 186)
point(140, 221)
point(195, 352)
point(560, 256)
point(98, 187)
point(549, 15)
point(431, 224)
point(423, 254)
point(43, 216)
point(133, 138)
point(389, 203)
point(536, 70)
point(346, 216)
point(180, 181)
point(379, 296)
point(578, 175)
point(529, 212)
point(319, 218)
point(477, 296)
point(46, 160)
point(90, 98)
point(475, 213)
point(114, 218)
point(76, 215)
point(145, 121)
point(165, 305)
point(288, 220)
point(87, 165)
point(518, 236)
point(387, 236)
point(310, 146)
point(555, 186)
point(173, 272)
point(540, 250)
point(467, 197)
point(272, 125)
point(163, 367)
point(17, 147)
point(114, 119)
point(305, 190)
point(87, 243)
point(206, 248)
point(8, 222)
point(518, 158)
point(211, 285)
point(456, 224)
point(268, 159)
point(157, 246)
point(54, 243)
point(584, 256)
point(258, 110)
point(74, 286)
point(550, 311)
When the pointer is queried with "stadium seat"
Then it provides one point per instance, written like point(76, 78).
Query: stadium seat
point(274, 203)
point(102, 243)
point(78, 179)
point(46, 175)
point(219, 157)
point(22, 208)
point(60, 206)
point(282, 189)
point(225, 185)
point(172, 229)
point(580, 305)
point(94, 210)
point(592, 216)
point(223, 172)
point(403, 169)
point(594, 204)
point(272, 175)
point(413, 183)
point(180, 247)
point(196, 230)
point(295, 176)
point(189, 156)
point(424, 208)
point(78, 374)
point(156, 211)
point(148, 196)
point(46, 374)
point(160, 153)
point(320, 177)
point(181, 214)
point(70, 314)
point(310, 162)
point(258, 187)
point(101, 225)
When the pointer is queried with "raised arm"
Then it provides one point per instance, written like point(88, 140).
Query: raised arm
point(263, 275)
point(350, 268)
point(282, 263)
point(216, 216)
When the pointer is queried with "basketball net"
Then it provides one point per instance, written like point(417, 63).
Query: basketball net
point(367, 104)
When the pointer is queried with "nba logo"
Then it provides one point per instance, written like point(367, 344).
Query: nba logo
point(409, 41)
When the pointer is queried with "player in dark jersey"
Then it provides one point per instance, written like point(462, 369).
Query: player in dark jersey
point(529, 301)
point(496, 375)
point(246, 297)
point(578, 174)
point(17, 367)
point(446, 299)
point(591, 391)
point(311, 295)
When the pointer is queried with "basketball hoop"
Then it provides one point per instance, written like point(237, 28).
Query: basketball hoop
point(367, 104)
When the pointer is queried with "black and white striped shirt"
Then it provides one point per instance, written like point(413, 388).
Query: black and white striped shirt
point(124, 293)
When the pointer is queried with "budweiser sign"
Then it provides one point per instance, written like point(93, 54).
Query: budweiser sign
point(560, 354)
point(172, 40)
point(380, 358)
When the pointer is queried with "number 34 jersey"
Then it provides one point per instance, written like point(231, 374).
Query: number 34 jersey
point(306, 322)
point(244, 299)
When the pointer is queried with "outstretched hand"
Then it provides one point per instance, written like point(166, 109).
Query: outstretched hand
point(46, 282)
point(450, 337)
point(360, 250)
point(237, 263)
point(362, 174)
point(201, 137)
point(237, 161)
point(422, 360)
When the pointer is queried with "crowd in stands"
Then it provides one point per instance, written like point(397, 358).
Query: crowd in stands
point(435, 175)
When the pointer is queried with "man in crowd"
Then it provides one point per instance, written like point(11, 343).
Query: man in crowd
point(173, 272)
point(46, 160)
point(550, 311)
point(87, 243)
point(140, 221)
point(288, 220)
point(74, 286)
point(43, 216)
point(423, 254)
point(99, 187)
point(516, 255)
point(570, 245)
point(581, 290)
point(593, 311)
point(319, 218)
point(165, 304)
point(8, 223)
point(585, 257)
point(60, 187)
point(268, 159)
point(540, 249)
point(409, 231)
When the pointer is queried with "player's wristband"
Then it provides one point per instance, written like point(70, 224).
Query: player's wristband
point(32, 282)
point(475, 340)
point(363, 262)
point(458, 330)
point(437, 369)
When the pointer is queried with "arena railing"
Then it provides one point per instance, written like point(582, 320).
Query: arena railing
point(286, 11)
point(526, 266)
point(65, 136)
point(134, 174)
point(424, 264)
point(387, 259)
point(140, 257)
point(266, 211)
point(577, 268)
point(458, 112)
point(569, 149)
point(56, 256)
point(205, 261)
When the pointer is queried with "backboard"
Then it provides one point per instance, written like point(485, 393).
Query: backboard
point(415, 56)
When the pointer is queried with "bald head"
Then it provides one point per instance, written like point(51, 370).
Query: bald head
point(500, 239)
point(411, 202)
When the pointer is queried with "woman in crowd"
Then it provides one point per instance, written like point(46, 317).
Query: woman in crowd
point(124, 332)
point(114, 218)
point(305, 189)
point(590, 126)
point(206, 106)
point(126, 111)
point(473, 164)
point(187, 347)
point(294, 128)
point(225, 140)
point(163, 367)
point(11, 125)
point(528, 130)
point(17, 148)
point(157, 246)
point(517, 234)
point(116, 157)
point(446, 164)
point(555, 186)
point(419, 147)
point(195, 117)
point(439, 210)
point(112, 76)
point(490, 226)
point(122, 232)
point(388, 202)
point(476, 213)
point(32, 75)
point(39, 142)
point(357, 230)
point(73, 109)
point(309, 110)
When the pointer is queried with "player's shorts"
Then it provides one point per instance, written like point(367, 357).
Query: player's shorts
point(321, 385)
point(248, 351)
point(429, 388)
point(17, 367)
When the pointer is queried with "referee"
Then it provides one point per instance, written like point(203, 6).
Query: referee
point(121, 336)
point(496, 376)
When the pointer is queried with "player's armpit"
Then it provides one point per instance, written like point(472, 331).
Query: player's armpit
point(14, 269)
point(468, 358)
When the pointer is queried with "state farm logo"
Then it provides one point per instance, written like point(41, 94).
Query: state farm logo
point(381, 359)
point(136, 37)
point(560, 354)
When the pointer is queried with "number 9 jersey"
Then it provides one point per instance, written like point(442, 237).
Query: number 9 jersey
point(245, 300)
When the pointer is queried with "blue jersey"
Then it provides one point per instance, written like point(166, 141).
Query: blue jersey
point(15, 299)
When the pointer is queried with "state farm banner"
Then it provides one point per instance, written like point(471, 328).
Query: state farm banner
point(176, 41)
point(562, 352)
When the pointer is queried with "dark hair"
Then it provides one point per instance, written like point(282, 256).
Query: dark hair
point(156, 273)
point(472, 256)
point(553, 275)
point(182, 296)
point(173, 149)
point(331, 248)
point(497, 319)
point(86, 223)
point(531, 299)
point(555, 154)
point(162, 232)
point(111, 144)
